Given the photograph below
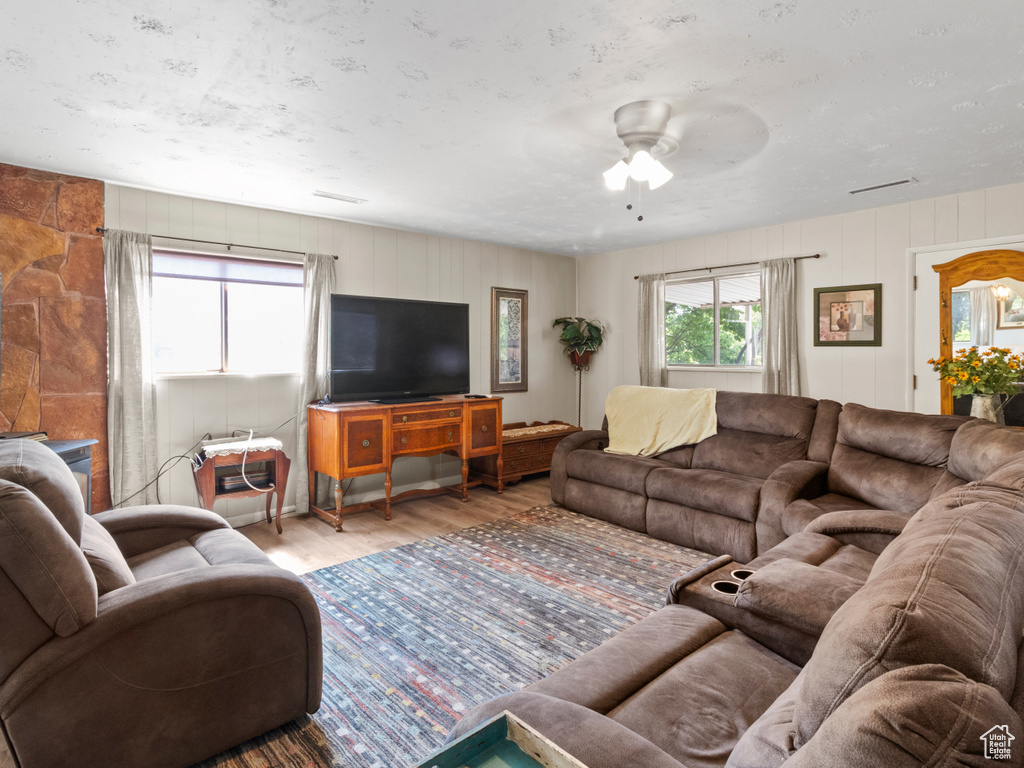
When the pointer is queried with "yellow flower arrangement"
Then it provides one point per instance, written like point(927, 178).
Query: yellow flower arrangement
point(971, 372)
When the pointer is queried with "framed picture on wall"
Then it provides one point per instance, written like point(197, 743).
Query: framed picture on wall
point(1011, 312)
point(848, 316)
point(509, 324)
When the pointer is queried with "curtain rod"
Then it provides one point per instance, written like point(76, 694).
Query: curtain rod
point(101, 230)
point(726, 266)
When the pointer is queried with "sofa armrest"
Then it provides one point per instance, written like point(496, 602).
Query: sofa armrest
point(145, 528)
point(793, 480)
point(796, 594)
point(160, 626)
point(869, 529)
point(693, 575)
point(587, 440)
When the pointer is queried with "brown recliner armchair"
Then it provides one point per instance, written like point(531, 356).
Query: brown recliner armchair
point(147, 636)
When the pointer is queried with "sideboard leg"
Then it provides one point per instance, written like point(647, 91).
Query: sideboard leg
point(339, 493)
point(387, 495)
point(465, 479)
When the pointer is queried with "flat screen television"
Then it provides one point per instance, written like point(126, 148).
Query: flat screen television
point(397, 350)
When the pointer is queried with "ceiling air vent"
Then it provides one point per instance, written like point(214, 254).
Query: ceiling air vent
point(899, 183)
point(342, 198)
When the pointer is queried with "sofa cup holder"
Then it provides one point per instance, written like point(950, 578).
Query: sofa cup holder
point(742, 573)
point(725, 587)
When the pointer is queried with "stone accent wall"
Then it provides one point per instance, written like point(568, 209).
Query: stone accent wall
point(53, 323)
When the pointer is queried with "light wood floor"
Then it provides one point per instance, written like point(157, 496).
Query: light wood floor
point(309, 543)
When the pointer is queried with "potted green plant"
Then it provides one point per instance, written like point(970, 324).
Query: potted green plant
point(581, 337)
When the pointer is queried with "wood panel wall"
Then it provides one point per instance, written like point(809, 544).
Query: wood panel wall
point(868, 246)
point(372, 261)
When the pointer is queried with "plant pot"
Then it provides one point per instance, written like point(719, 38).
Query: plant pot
point(987, 407)
point(580, 358)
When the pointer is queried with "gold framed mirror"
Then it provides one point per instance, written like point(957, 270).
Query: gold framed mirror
point(978, 266)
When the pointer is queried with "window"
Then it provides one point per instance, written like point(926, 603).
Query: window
point(961, 316)
point(714, 321)
point(225, 315)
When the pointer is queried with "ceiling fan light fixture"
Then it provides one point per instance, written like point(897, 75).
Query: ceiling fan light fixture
point(616, 176)
point(659, 175)
point(642, 126)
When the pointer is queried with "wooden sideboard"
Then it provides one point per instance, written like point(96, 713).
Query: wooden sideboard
point(352, 439)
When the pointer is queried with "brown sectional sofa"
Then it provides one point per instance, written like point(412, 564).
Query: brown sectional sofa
point(883, 626)
point(917, 660)
point(147, 636)
point(776, 464)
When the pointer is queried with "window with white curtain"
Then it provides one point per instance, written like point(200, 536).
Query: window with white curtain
point(714, 321)
point(219, 314)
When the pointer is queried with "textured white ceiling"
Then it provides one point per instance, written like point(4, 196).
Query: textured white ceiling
point(493, 120)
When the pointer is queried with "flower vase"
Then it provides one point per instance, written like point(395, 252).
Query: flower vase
point(987, 407)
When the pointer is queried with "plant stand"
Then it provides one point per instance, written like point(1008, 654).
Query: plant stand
point(580, 365)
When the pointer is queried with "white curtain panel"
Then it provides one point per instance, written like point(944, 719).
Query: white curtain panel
point(984, 309)
point(131, 396)
point(651, 331)
point(778, 327)
point(317, 286)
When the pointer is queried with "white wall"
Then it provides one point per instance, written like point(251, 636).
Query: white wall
point(869, 246)
point(372, 261)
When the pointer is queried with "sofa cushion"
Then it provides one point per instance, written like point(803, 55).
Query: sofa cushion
point(43, 561)
point(701, 530)
point(609, 504)
point(627, 473)
point(108, 564)
point(980, 446)
point(1007, 475)
point(218, 547)
point(915, 438)
point(748, 453)
point(920, 715)
point(949, 590)
point(37, 468)
point(605, 677)
point(798, 515)
point(699, 708)
point(724, 493)
point(782, 415)
point(882, 482)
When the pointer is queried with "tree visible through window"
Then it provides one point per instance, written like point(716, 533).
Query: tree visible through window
point(961, 316)
point(714, 321)
point(225, 315)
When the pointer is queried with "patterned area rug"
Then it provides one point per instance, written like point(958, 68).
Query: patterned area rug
point(416, 635)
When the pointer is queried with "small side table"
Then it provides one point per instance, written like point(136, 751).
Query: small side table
point(211, 486)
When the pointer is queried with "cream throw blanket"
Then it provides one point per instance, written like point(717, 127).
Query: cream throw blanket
point(644, 421)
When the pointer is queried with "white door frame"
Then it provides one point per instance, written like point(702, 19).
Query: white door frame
point(952, 251)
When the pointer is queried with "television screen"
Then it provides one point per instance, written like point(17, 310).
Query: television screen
point(397, 349)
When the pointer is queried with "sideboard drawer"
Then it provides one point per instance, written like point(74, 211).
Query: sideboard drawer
point(364, 444)
point(485, 429)
point(425, 438)
point(421, 415)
